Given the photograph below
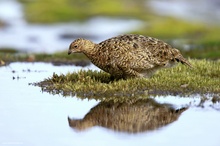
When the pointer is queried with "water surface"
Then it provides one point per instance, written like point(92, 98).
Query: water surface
point(205, 11)
point(30, 117)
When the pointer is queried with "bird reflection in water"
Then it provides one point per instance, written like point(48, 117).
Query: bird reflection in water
point(139, 116)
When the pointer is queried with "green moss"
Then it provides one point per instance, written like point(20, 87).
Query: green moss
point(58, 58)
point(48, 11)
point(205, 51)
point(211, 36)
point(168, 27)
point(204, 78)
point(200, 37)
point(8, 50)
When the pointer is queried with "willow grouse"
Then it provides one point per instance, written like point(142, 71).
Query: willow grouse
point(128, 56)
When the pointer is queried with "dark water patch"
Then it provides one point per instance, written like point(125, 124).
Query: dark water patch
point(73, 36)
point(216, 99)
point(82, 63)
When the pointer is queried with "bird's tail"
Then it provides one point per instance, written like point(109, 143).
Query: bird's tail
point(179, 58)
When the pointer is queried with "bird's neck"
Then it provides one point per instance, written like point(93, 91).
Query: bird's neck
point(92, 51)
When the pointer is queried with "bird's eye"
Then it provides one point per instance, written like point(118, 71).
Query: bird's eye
point(75, 46)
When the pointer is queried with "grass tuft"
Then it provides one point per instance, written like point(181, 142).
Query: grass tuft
point(203, 79)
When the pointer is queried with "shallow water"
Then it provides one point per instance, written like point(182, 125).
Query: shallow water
point(205, 11)
point(30, 117)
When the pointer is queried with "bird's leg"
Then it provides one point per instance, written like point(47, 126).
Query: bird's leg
point(130, 73)
point(115, 78)
point(112, 78)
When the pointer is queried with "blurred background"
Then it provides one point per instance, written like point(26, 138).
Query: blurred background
point(48, 26)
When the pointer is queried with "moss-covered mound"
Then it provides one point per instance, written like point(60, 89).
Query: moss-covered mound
point(58, 58)
point(204, 78)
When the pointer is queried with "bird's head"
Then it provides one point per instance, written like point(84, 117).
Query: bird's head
point(81, 46)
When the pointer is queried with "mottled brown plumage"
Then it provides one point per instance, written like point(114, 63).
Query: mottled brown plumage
point(128, 56)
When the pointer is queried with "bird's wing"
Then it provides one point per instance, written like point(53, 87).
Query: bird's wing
point(125, 56)
point(160, 50)
point(138, 52)
point(163, 52)
point(145, 53)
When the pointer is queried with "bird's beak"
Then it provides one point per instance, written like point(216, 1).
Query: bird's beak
point(69, 52)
